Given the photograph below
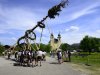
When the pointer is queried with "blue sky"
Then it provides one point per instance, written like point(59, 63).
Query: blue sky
point(79, 18)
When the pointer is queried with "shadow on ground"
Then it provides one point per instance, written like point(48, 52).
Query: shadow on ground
point(54, 63)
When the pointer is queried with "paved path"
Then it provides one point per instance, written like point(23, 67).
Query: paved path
point(48, 68)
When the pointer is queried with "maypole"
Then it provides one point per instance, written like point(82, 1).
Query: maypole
point(54, 11)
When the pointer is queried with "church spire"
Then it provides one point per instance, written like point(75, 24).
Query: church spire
point(59, 36)
point(52, 36)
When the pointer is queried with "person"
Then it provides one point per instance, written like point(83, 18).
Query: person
point(19, 55)
point(16, 53)
point(35, 57)
point(50, 53)
point(3, 53)
point(44, 55)
point(39, 56)
point(59, 56)
point(21, 58)
point(69, 56)
point(65, 55)
point(9, 54)
point(29, 58)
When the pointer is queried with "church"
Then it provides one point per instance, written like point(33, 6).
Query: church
point(55, 42)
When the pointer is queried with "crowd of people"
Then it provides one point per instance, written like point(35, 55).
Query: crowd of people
point(34, 58)
point(29, 57)
point(60, 55)
point(65, 54)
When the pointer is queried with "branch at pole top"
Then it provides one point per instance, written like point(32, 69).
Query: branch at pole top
point(56, 9)
point(63, 2)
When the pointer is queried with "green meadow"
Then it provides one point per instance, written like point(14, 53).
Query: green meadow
point(90, 62)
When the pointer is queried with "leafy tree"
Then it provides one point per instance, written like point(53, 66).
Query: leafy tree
point(65, 46)
point(43, 47)
point(74, 46)
point(85, 44)
point(90, 43)
point(7, 46)
point(1, 48)
point(48, 48)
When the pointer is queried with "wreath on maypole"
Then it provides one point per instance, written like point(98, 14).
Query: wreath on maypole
point(54, 11)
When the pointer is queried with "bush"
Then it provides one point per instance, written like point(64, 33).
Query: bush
point(1, 49)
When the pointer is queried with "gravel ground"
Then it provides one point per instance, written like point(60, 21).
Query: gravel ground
point(49, 67)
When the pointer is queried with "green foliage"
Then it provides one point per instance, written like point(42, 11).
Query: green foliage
point(17, 48)
point(44, 47)
point(74, 46)
point(89, 44)
point(1, 48)
point(65, 46)
point(48, 48)
point(56, 9)
point(7, 46)
point(93, 59)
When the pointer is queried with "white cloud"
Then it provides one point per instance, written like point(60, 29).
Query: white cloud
point(38, 30)
point(5, 32)
point(14, 39)
point(18, 18)
point(83, 12)
point(71, 38)
point(8, 40)
point(44, 32)
point(98, 31)
point(67, 16)
point(73, 28)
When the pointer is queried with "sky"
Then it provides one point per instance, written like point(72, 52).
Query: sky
point(78, 19)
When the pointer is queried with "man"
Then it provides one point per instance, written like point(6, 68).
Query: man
point(16, 55)
point(19, 56)
point(44, 55)
point(59, 56)
point(39, 56)
point(9, 54)
point(65, 55)
point(69, 56)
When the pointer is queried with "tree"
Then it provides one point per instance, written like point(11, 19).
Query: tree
point(7, 46)
point(89, 44)
point(1, 48)
point(48, 48)
point(74, 46)
point(43, 47)
point(65, 46)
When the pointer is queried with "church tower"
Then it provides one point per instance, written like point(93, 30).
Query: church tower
point(51, 40)
point(59, 37)
point(51, 37)
point(55, 42)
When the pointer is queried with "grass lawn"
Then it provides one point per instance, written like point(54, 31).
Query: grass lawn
point(91, 62)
